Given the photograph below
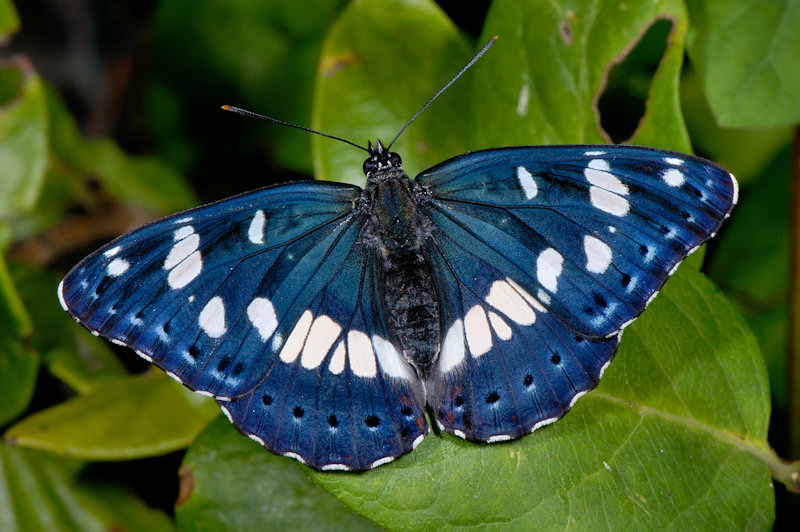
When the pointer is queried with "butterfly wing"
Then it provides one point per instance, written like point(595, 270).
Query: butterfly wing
point(252, 297)
point(507, 366)
point(541, 256)
point(591, 231)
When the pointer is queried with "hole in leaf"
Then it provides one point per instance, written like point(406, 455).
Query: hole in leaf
point(623, 103)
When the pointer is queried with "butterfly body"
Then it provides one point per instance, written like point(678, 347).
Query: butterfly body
point(324, 318)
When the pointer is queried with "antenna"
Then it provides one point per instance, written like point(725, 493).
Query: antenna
point(466, 67)
point(245, 112)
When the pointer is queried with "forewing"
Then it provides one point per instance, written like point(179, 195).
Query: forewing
point(592, 232)
point(506, 366)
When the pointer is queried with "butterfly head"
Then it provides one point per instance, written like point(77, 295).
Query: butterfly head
point(380, 159)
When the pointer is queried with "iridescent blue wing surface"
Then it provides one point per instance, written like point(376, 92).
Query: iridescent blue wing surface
point(268, 303)
point(542, 255)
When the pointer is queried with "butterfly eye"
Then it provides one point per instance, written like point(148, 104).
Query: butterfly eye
point(395, 160)
point(370, 166)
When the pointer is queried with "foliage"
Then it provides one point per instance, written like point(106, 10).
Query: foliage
point(674, 437)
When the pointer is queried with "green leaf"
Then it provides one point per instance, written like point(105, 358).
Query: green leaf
point(144, 181)
point(231, 483)
point(23, 139)
point(70, 353)
point(18, 364)
point(361, 94)
point(746, 53)
point(39, 492)
point(121, 419)
point(549, 66)
point(673, 436)
point(9, 20)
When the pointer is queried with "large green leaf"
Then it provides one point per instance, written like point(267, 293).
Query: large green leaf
point(39, 492)
point(120, 419)
point(18, 364)
point(746, 53)
point(549, 68)
point(380, 63)
point(232, 483)
point(674, 436)
point(23, 137)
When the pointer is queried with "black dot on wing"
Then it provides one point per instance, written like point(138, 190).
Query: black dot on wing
point(589, 311)
point(626, 280)
point(406, 410)
point(459, 401)
point(405, 432)
point(556, 358)
point(599, 300)
point(266, 399)
point(643, 249)
point(372, 421)
point(579, 339)
point(298, 412)
point(223, 364)
point(332, 421)
point(166, 327)
point(237, 369)
point(194, 352)
point(492, 398)
point(528, 380)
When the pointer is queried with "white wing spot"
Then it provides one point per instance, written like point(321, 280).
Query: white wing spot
point(296, 338)
point(527, 182)
point(673, 160)
point(324, 331)
point(501, 328)
point(532, 301)
point(453, 347)
point(673, 177)
point(608, 201)
point(336, 365)
point(598, 254)
point(111, 252)
point(597, 174)
point(549, 265)
point(212, 317)
point(262, 315)
point(256, 230)
point(185, 272)
point(360, 354)
point(594, 153)
point(504, 298)
point(117, 267)
point(182, 249)
point(389, 358)
point(182, 233)
point(612, 229)
point(479, 336)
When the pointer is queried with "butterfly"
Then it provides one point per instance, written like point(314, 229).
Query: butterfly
point(325, 318)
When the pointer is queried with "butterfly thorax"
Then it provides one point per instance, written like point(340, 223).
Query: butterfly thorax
point(397, 227)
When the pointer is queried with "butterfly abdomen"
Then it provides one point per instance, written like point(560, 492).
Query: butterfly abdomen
point(410, 302)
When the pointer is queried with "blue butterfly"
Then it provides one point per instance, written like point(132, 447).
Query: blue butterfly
point(323, 318)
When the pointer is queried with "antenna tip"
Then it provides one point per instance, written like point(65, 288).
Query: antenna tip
point(495, 38)
point(225, 107)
